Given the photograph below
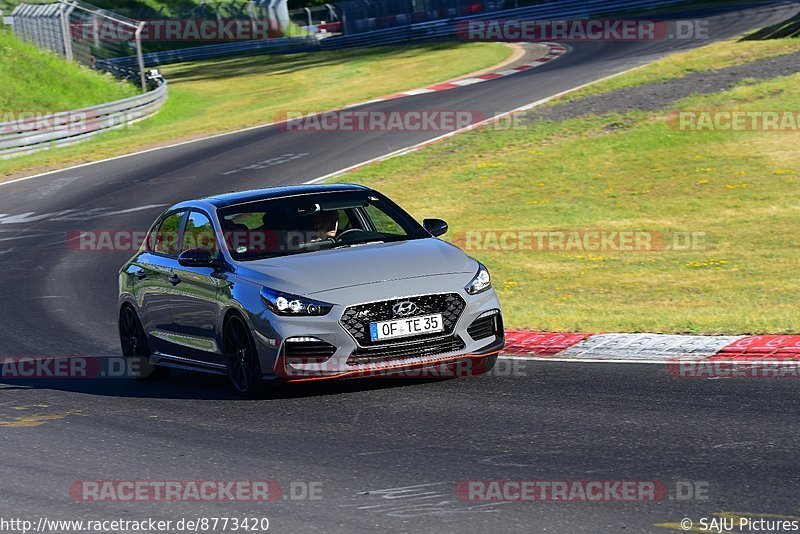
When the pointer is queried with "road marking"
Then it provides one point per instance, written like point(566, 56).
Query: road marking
point(36, 420)
point(70, 215)
point(131, 210)
point(418, 501)
point(271, 162)
point(27, 236)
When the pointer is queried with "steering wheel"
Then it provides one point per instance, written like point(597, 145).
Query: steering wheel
point(339, 237)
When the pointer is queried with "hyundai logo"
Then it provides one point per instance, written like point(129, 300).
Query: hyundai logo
point(404, 309)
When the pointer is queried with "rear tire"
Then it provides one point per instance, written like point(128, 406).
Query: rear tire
point(241, 358)
point(135, 348)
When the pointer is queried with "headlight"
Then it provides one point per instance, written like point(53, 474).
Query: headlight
point(480, 282)
point(286, 304)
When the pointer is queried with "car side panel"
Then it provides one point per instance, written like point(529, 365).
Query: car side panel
point(195, 314)
point(243, 297)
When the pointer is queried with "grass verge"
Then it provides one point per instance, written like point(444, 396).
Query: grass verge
point(222, 95)
point(33, 80)
point(736, 191)
point(713, 56)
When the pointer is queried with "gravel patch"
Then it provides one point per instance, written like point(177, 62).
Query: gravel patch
point(657, 96)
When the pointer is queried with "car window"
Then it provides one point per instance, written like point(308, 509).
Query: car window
point(309, 223)
point(383, 223)
point(164, 239)
point(348, 220)
point(199, 234)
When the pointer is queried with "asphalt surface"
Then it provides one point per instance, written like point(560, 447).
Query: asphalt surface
point(360, 440)
point(388, 455)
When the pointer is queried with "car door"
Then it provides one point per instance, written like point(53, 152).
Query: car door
point(151, 272)
point(194, 303)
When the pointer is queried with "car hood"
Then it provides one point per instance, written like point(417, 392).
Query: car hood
point(315, 272)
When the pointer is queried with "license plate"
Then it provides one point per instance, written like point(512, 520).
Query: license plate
point(412, 326)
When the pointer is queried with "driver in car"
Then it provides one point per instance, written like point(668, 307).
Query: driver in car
point(326, 224)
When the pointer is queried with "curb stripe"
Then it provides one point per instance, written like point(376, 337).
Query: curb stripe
point(767, 347)
point(540, 343)
point(649, 348)
point(443, 87)
point(554, 51)
point(466, 81)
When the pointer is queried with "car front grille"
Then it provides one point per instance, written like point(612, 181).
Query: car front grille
point(356, 319)
point(416, 349)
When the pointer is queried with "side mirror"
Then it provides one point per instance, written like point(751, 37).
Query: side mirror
point(197, 257)
point(435, 227)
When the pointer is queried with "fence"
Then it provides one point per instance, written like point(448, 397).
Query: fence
point(47, 25)
point(437, 29)
point(554, 10)
point(360, 16)
point(317, 20)
point(28, 135)
point(262, 46)
point(62, 26)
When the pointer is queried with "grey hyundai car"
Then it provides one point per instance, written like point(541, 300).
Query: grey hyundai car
point(304, 283)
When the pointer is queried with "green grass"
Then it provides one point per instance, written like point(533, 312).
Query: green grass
point(627, 172)
point(714, 56)
point(33, 80)
point(227, 94)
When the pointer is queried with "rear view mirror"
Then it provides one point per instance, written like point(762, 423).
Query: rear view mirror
point(197, 257)
point(435, 227)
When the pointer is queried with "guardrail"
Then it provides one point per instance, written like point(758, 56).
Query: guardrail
point(401, 34)
point(447, 28)
point(67, 127)
point(153, 59)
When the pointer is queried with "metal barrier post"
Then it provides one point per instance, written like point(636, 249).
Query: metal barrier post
point(65, 29)
point(139, 56)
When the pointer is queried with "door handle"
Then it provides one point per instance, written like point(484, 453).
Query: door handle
point(174, 279)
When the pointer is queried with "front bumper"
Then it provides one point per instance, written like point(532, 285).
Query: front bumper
point(351, 357)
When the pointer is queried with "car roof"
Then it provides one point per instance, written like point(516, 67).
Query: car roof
point(254, 195)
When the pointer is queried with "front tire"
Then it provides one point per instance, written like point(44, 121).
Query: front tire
point(244, 369)
point(135, 348)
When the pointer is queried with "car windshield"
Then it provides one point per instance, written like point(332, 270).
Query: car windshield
point(310, 223)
